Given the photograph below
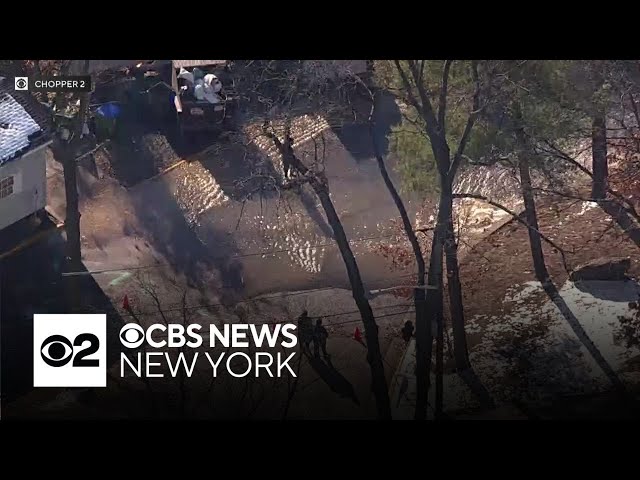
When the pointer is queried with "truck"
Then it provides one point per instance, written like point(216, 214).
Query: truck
point(213, 113)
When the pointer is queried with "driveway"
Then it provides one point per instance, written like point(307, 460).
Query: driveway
point(196, 220)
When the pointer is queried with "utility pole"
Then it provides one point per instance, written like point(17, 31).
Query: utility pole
point(68, 149)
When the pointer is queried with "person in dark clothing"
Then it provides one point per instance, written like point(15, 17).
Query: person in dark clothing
point(286, 158)
point(320, 335)
point(407, 331)
point(305, 332)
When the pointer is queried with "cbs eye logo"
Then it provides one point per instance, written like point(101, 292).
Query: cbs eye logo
point(132, 335)
point(21, 83)
point(57, 350)
point(69, 350)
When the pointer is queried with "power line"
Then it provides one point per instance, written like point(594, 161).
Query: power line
point(113, 309)
point(213, 305)
point(346, 322)
point(179, 307)
point(376, 317)
point(195, 307)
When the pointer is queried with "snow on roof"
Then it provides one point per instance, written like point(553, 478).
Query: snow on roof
point(96, 66)
point(16, 125)
point(197, 63)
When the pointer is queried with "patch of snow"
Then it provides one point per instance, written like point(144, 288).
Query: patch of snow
point(535, 350)
point(598, 305)
point(15, 127)
point(521, 292)
point(584, 208)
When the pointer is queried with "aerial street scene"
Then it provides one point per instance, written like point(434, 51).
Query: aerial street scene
point(320, 239)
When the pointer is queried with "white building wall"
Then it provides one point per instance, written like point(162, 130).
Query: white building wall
point(30, 187)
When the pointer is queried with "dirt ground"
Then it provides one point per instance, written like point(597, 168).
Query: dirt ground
point(503, 259)
point(511, 320)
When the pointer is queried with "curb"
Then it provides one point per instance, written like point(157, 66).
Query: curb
point(33, 239)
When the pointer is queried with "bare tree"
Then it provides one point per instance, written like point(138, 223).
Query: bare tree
point(319, 184)
point(419, 293)
point(64, 148)
point(431, 109)
point(281, 91)
point(530, 207)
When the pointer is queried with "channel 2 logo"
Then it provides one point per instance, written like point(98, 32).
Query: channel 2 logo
point(22, 83)
point(69, 350)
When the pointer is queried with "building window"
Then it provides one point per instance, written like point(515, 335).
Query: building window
point(6, 187)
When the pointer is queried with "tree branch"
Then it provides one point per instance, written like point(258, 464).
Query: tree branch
point(430, 120)
point(564, 156)
point(519, 219)
point(444, 88)
point(407, 86)
point(625, 204)
point(475, 110)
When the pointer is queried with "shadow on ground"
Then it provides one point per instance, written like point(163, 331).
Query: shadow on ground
point(24, 293)
point(613, 291)
point(356, 136)
point(624, 220)
point(145, 134)
point(241, 170)
point(245, 174)
point(209, 267)
point(573, 322)
point(601, 406)
point(333, 378)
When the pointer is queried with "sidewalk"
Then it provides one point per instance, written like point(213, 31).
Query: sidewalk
point(403, 385)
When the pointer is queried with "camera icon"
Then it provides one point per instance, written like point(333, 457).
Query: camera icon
point(22, 83)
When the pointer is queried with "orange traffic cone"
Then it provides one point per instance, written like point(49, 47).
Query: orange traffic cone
point(125, 303)
point(357, 335)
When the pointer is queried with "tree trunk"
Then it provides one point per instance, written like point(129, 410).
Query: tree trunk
point(70, 171)
point(72, 214)
point(374, 356)
point(599, 155)
point(532, 218)
point(460, 348)
point(424, 336)
point(60, 97)
point(439, 320)
point(456, 306)
point(434, 312)
point(72, 219)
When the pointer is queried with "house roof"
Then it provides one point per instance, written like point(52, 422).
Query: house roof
point(197, 63)
point(97, 66)
point(24, 122)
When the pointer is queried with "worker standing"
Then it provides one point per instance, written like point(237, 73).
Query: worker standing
point(305, 332)
point(320, 336)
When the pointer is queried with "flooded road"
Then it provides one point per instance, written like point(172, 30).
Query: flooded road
point(282, 241)
point(211, 220)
